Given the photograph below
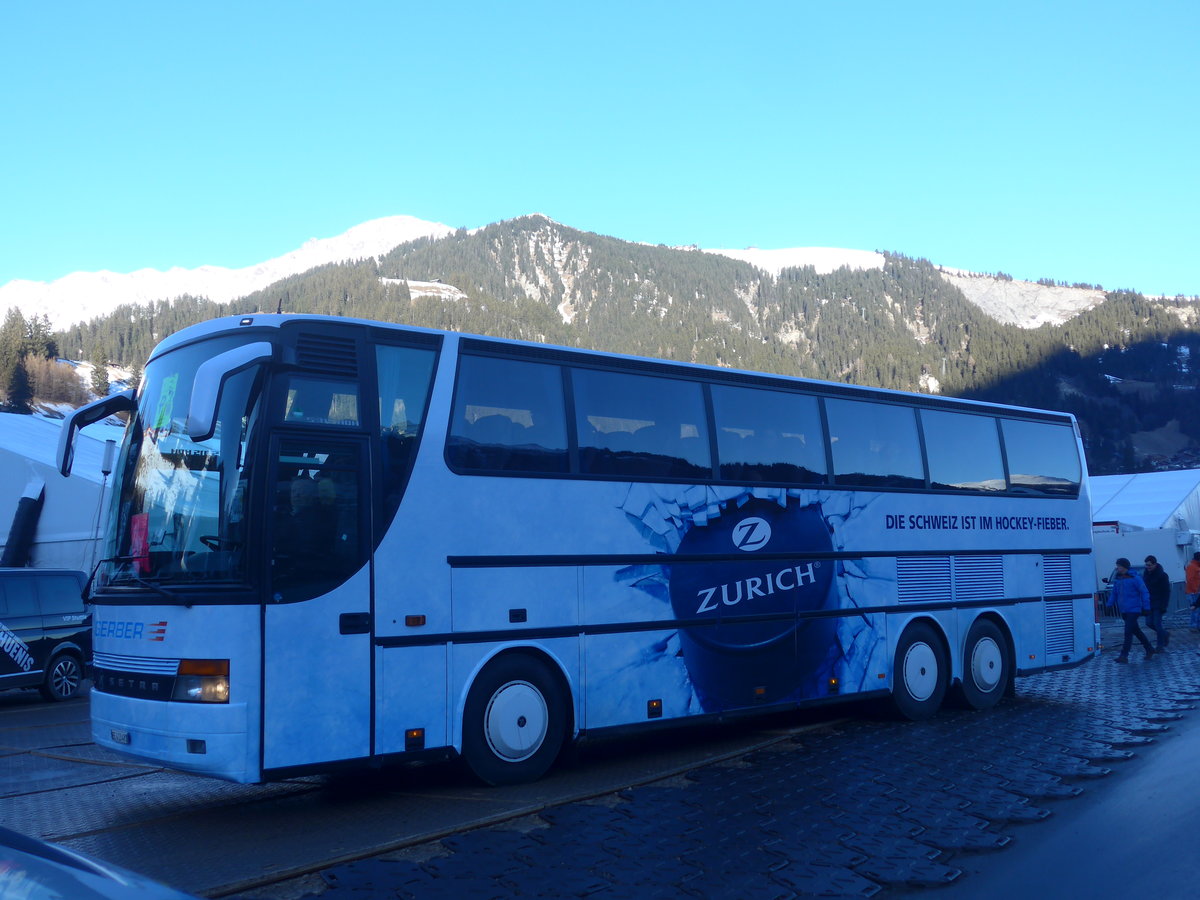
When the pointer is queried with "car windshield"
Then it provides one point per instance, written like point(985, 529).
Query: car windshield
point(181, 518)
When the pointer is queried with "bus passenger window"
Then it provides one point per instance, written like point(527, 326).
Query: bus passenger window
point(405, 374)
point(963, 451)
point(874, 444)
point(508, 416)
point(321, 401)
point(1042, 457)
point(640, 425)
point(318, 536)
point(770, 436)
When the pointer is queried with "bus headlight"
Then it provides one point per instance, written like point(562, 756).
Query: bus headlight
point(202, 681)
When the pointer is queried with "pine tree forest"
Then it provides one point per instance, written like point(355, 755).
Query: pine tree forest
point(903, 326)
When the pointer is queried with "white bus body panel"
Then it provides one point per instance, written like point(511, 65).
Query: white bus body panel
point(318, 680)
point(147, 637)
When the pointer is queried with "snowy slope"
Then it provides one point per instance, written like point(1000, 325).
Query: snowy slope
point(1023, 303)
point(823, 259)
point(84, 295)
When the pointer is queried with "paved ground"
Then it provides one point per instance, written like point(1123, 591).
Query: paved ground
point(868, 807)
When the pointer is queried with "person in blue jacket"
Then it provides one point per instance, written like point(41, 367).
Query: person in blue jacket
point(1132, 600)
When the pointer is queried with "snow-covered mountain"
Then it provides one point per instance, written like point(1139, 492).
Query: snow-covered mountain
point(1026, 304)
point(84, 295)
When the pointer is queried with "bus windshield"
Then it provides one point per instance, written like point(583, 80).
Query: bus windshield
point(180, 518)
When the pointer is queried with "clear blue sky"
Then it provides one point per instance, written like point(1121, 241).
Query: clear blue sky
point(1043, 139)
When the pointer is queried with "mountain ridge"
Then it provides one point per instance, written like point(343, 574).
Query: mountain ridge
point(82, 295)
point(79, 296)
point(906, 325)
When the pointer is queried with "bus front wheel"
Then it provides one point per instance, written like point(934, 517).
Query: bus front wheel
point(514, 722)
point(986, 668)
point(920, 674)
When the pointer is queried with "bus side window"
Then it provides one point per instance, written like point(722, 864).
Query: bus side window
point(874, 444)
point(1042, 457)
point(318, 539)
point(963, 451)
point(405, 374)
point(768, 436)
point(508, 416)
point(321, 401)
point(640, 425)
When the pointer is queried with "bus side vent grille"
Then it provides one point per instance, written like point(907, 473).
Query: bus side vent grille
point(335, 355)
point(978, 578)
point(922, 579)
point(1060, 627)
point(1056, 575)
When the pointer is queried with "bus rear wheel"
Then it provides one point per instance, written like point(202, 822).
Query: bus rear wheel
point(986, 667)
point(920, 674)
point(514, 722)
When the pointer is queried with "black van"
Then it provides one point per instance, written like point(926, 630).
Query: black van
point(45, 631)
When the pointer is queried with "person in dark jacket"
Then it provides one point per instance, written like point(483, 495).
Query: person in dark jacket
point(1159, 586)
point(1132, 600)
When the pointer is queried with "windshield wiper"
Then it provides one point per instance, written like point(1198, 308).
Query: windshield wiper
point(157, 588)
point(129, 576)
point(87, 586)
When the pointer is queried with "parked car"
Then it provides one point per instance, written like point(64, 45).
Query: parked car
point(45, 631)
point(35, 870)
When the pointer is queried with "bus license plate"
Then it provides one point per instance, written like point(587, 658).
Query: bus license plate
point(119, 736)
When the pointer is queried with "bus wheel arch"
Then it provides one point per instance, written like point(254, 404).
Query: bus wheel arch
point(987, 664)
point(921, 671)
point(516, 718)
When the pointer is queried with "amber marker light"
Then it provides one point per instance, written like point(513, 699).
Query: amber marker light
point(204, 667)
point(414, 621)
point(202, 681)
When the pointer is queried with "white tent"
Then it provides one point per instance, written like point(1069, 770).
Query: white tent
point(1152, 512)
point(66, 529)
point(1149, 500)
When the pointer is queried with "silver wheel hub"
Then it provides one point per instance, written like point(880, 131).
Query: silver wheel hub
point(987, 664)
point(920, 671)
point(516, 721)
point(64, 678)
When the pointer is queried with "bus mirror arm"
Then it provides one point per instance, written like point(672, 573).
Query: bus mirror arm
point(210, 379)
point(85, 416)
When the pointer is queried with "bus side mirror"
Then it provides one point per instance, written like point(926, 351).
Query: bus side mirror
point(85, 416)
point(210, 379)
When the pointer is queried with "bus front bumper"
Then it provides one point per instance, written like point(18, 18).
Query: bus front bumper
point(207, 739)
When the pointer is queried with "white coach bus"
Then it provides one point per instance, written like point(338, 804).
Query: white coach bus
point(335, 541)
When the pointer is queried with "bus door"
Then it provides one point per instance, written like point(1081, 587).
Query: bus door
point(318, 610)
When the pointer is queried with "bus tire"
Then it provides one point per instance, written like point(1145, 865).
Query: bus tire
point(920, 674)
point(514, 722)
point(64, 676)
point(987, 669)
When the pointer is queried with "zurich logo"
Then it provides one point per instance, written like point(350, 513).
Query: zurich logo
point(751, 534)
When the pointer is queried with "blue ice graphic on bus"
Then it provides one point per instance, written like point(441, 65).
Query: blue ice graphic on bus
point(748, 635)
